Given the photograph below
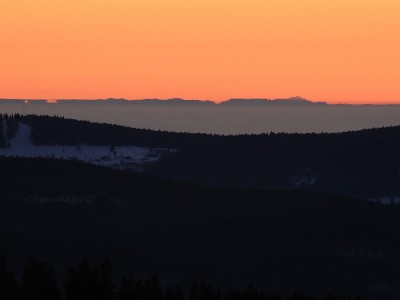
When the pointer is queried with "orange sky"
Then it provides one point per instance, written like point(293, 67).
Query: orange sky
point(325, 50)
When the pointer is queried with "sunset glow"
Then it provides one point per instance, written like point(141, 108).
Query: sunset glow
point(323, 50)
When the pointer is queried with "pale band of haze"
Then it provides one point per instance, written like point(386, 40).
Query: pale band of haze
point(221, 119)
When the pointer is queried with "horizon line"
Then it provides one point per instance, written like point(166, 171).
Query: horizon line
point(292, 99)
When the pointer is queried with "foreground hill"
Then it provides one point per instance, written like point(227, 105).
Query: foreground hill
point(362, 163)
point(64, 211)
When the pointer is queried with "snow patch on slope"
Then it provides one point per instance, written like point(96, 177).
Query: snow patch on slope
point(386, 200)
point(123, 157)
point(306, 178)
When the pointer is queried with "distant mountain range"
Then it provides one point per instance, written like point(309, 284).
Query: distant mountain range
point(296, 100)
point(234, 116)
point(233, 101)
point(292, 100)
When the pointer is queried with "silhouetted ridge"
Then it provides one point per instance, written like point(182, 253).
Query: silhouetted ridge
point(263, 101)
point(363, 163)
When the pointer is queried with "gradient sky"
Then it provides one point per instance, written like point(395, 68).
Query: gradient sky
point(329, 50)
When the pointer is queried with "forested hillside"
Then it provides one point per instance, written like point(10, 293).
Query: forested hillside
point(64, 211)
point(362, 163)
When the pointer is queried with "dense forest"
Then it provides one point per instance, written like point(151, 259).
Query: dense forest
point(276, 212)
point(2, 137)
point(64, 211)
point(362, 163)
point(92, 282)
point(12, 128)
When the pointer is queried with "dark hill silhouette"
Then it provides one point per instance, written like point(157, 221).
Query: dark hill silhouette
point(65, 211)
point(363, 163)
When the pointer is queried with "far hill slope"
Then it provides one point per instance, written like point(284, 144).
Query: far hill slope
point(363, 163)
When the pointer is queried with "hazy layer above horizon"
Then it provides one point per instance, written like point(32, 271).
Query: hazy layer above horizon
point(234, 117)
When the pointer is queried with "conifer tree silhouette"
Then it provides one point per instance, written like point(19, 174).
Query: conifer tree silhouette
point(38, 282)
point(8, 282)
